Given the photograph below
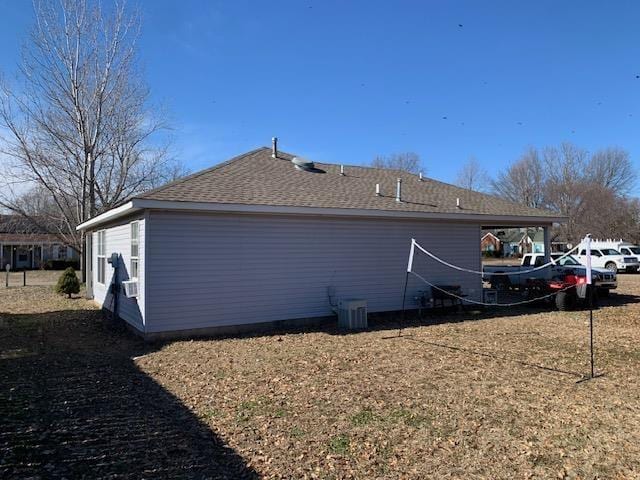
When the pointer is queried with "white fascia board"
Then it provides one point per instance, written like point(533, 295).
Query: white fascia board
point(515, 220)
point(112, 214)
point(141, 203)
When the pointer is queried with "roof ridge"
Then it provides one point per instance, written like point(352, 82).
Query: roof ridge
point(350, 165)
point(198, 173)
point(196, 185)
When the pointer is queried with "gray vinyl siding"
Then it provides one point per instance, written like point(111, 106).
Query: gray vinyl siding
point(118, 240)
point(208, 270)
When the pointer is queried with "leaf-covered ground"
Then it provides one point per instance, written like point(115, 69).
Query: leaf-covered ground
point(478, 396)
point(73, 403)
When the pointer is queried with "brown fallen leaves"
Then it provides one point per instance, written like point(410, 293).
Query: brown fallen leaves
point(489, 396)
point(494, 397)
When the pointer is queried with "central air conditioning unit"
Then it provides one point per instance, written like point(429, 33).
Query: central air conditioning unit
point(130, 288)
point(352, 314)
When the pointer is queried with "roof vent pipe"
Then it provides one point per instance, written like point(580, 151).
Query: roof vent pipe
point(342, 170)
point(378, 189)
point(421, 176)
point(458, 202)
point(274, 147)
point(399, 190)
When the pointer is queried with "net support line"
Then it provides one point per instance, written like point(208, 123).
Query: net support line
point(476, 302)
point(415, 244)
point(587, 241)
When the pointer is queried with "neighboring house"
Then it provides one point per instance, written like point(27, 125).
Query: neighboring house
point(517, 242)
point(513, 242)
point(25, 246)
point(256, 240)
point(490, 244)
point(537, 242)
point(557, 244)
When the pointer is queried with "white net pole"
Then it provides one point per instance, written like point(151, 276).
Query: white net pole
point(411, 252)
point(588, 248)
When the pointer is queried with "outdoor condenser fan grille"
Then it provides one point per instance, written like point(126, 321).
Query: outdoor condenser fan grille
point(352, 314)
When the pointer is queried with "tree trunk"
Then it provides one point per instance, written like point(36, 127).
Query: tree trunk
point(92, 186)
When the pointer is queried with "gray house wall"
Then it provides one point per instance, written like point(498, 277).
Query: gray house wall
point(118, 240)
point(214, 270)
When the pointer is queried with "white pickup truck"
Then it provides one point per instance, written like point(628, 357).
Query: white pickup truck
point(609, 258)
point(605, 280)
point(630, 251)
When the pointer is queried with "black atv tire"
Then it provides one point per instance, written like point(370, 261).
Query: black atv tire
point(566, 301)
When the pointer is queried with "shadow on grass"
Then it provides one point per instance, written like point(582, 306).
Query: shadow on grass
point(73, 404)
point(498, 357)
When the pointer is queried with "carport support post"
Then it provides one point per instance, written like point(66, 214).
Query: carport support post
point(547, 243)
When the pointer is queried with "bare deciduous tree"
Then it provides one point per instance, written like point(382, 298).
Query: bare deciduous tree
point(524, 181)
point(612, 168)
point(472, 176)
point(79, 126)
point(406, 161)
point(590, 190)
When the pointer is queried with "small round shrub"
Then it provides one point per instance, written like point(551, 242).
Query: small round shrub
point(68, 282)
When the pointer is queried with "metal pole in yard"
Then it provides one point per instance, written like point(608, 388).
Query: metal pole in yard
point(406, 281)
point(591, 292)
point(24, 277)
point(404, 296)
point(7, 279)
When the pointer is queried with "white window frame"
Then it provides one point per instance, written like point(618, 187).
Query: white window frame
point(101, 255)
point(134, 243)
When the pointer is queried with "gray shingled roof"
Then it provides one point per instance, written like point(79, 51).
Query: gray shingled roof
point(255, 178)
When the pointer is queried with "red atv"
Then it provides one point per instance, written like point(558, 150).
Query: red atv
point(570, 291)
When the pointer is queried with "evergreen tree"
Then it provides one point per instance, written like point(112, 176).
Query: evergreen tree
point(68, 282)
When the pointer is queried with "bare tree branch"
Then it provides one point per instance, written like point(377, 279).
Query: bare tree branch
point(472, 176)
point(79, 127)
point(407, 161)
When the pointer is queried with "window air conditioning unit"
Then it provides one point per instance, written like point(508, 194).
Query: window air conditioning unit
point(352, 314)
point(130, 288)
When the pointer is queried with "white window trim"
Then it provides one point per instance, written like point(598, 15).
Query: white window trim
point(100, 256)
point(131, 256)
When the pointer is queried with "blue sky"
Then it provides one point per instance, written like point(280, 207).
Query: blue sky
point(343, 81)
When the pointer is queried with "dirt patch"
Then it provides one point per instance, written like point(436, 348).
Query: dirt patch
point(478, 396)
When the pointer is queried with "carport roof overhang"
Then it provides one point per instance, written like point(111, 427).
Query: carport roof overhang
point(486, 221)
